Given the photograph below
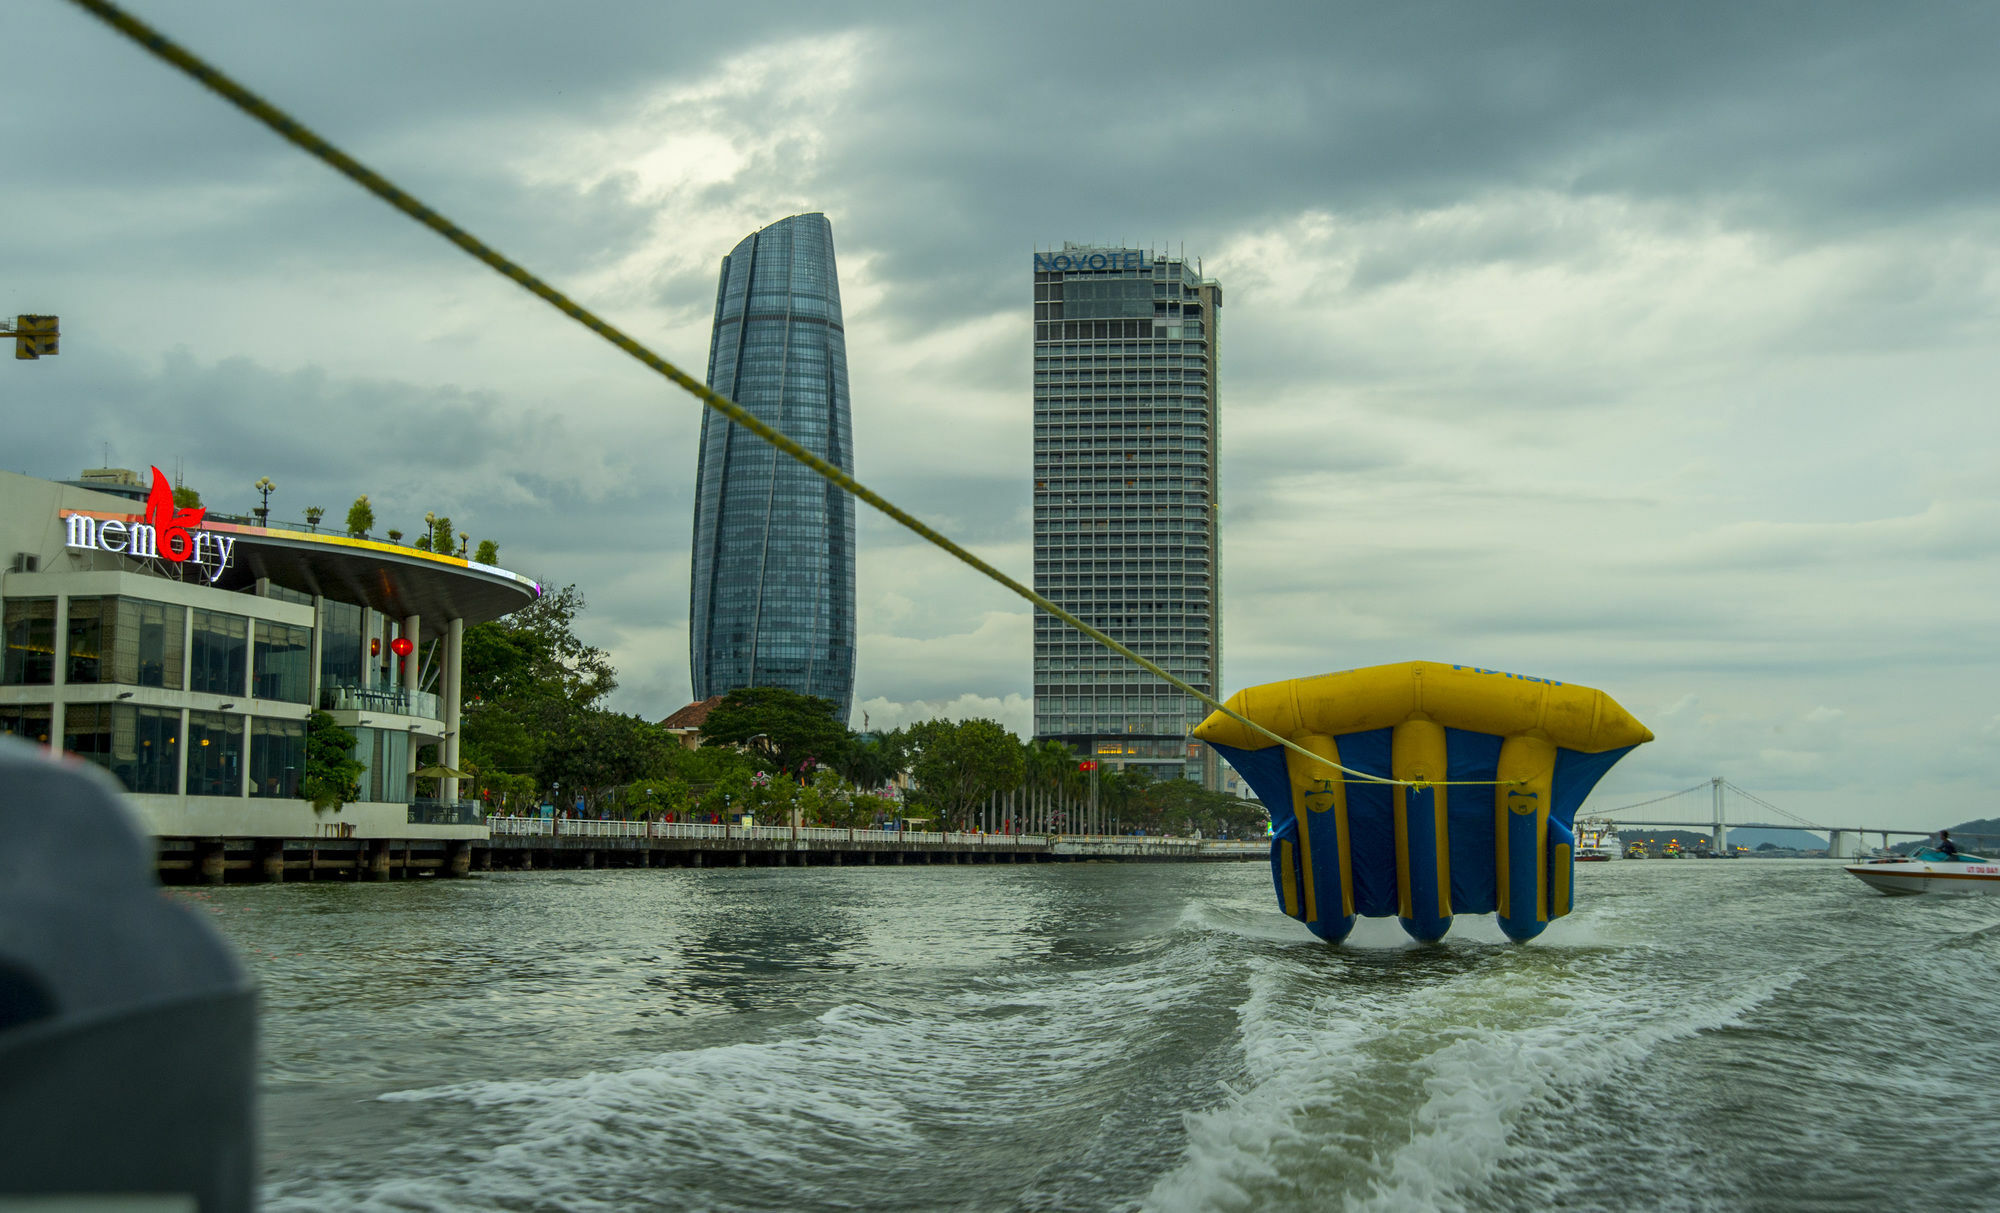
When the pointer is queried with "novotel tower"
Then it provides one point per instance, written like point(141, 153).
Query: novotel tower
point(773, 572)
point(1126, 346)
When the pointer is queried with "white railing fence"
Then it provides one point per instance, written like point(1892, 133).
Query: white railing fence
point(545, 827)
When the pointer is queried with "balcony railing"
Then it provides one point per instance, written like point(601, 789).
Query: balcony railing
point(446, 813)
point(380, 699)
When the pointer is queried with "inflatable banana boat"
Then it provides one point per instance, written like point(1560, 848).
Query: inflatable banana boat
point(1492, 769)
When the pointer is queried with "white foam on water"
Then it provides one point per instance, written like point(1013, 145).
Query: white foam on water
point(1402, 1081)
point(1477, 1089)
point(1245, 922)
point(830, 1105)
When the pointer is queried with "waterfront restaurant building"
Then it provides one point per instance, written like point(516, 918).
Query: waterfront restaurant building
point(191, 679)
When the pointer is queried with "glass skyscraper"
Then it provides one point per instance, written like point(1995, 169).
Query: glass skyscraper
point(773, 585)
point(1126, 344)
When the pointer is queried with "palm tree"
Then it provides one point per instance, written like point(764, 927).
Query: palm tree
point(1052, 771)
point(1123, 792)
point(873, 763)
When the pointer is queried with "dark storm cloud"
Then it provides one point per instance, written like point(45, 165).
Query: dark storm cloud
point(969, 138)
point(1101, 127)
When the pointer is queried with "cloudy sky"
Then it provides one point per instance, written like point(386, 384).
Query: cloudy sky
point(1648, 347)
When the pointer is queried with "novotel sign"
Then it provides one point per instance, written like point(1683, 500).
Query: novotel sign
point(1116, 259)
point(164, 532)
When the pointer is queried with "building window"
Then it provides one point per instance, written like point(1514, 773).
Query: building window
point(340, 644)
point(220, 659)
point(141, 746)
point(386, 754)
point(30, 627)
point(87, 732)
point(283, 668)
point(28, 721)
point(215, 754)
point(87, 654)
point(277, 757)
point(129, 641)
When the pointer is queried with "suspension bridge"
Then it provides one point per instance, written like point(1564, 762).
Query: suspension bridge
point(1842, 841)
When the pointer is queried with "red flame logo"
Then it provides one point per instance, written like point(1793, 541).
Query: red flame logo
point(170, 524)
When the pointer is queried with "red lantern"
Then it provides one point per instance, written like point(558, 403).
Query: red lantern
point(401, 646)
point(374, 646)
point(1086, 766)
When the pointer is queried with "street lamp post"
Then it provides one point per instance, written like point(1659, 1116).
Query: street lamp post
point(265, 486)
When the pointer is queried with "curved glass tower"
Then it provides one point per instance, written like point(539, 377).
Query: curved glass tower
point(773, 586)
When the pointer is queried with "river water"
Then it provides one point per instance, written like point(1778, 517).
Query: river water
point(1718, 1035)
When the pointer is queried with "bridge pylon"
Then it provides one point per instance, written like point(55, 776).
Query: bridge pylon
point(1720, 843)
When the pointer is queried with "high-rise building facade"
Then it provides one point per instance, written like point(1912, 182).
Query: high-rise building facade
point(773, 580)
point(1126, 536)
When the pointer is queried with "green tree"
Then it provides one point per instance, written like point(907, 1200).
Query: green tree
point(185, 497)
point(868, 811)
point(793, 730)
point(830, 800)
point(532, 695)
point(1052, 767)
point(332, 776)
point(959, 765)
point(871, 762)
point(727, 797)
point(313, 514)
point(652, 797)
point(712, 763)
point(360, 517)
point(1122, 797)
point(1181, 806)
point(594, 751)
point(489, 552)
point(506, 793)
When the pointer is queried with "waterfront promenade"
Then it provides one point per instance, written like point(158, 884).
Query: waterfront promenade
point(529, 843)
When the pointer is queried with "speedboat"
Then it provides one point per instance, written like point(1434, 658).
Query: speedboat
point(1930, 871)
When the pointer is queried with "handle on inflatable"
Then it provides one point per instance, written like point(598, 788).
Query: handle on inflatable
point(1521, 834)
point(1319, 809)
point(1423, 843)
point(1562, 867)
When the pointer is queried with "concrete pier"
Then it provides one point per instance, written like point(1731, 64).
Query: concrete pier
point(524, 845)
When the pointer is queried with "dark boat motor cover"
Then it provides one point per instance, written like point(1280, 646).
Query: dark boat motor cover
point(128, 1032)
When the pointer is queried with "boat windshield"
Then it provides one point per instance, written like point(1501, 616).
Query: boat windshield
point(1932, 855)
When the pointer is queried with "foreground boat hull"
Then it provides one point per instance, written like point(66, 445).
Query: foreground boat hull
point(1905, 879)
